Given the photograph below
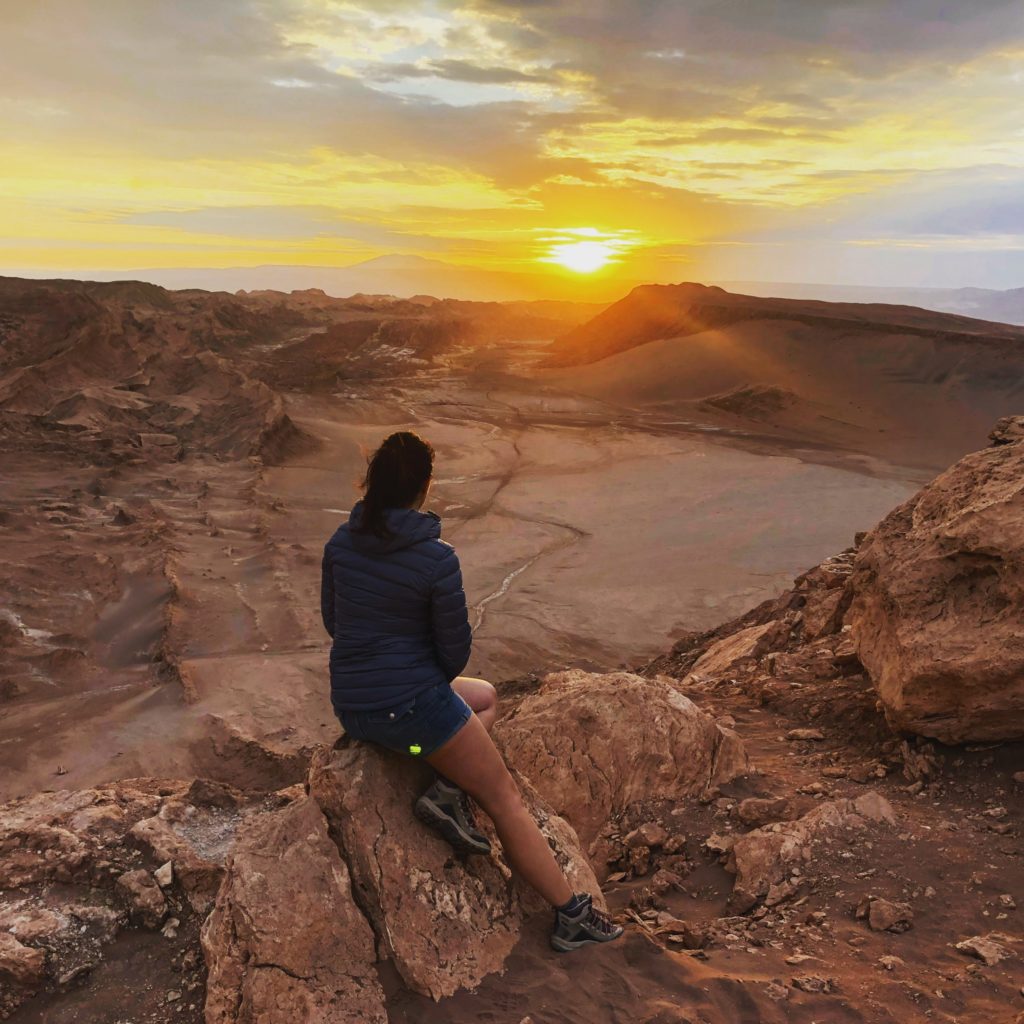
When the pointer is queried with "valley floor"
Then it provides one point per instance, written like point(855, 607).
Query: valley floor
point(172, 607)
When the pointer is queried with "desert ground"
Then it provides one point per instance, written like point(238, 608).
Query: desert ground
point(589, 535)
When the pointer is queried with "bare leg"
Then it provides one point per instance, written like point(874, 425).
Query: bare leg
point(480, 695)
point(471, 760)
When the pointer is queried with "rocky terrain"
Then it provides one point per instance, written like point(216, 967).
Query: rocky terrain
point(806, 812)
point(773, 847)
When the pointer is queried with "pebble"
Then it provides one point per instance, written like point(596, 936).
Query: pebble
point(814, 983)
point(805, 734)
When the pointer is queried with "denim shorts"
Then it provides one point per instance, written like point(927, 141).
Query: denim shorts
point(416, 726)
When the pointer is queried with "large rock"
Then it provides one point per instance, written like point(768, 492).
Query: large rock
point(286, 943)
point(68, 835)
point(199, 876)
point(20, 965)
point(765, 857)
point(938, 591)
point(595, 744)
point(446, 922)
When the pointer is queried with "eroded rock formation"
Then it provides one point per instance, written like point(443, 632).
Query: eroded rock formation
point(285, 942)
point(446, 922)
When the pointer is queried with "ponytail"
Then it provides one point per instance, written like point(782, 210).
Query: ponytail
point(395, 474)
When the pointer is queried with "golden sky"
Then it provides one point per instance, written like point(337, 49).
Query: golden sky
point(793, 140)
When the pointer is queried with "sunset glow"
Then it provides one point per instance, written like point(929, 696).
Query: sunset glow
point(583, 257)
point(325, 133)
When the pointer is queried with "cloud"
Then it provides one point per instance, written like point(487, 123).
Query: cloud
point(480, 120)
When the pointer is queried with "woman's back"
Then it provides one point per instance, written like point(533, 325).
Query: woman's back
point(395, 607)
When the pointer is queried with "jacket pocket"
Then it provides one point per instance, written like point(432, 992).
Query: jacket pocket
point(396, 713)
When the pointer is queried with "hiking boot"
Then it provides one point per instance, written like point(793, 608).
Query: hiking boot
point(446, 809)
point(587, 924)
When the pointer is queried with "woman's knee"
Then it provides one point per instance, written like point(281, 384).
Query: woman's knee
point(479, 694)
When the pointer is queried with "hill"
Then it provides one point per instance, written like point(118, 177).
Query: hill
point(901, 383)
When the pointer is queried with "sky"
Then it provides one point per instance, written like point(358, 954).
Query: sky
point(837, 142)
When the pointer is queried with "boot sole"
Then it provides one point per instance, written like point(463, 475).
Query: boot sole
point(561, 945)
point(430, 814)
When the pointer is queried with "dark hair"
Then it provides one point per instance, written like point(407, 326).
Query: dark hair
point(396, 472)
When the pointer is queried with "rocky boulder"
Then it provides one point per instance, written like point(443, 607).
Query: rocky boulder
point(764, 858)
point(285, 942)
point(593, 744)
point(446, 922)
point(938, 589)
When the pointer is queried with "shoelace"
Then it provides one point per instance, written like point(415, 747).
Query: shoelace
point(467, 811)
point(598, 919)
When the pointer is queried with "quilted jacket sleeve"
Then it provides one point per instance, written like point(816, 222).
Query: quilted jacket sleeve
point(327, 594)
point(449, 616)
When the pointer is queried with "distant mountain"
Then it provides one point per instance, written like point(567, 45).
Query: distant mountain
point(985, 303)
point(399, 275)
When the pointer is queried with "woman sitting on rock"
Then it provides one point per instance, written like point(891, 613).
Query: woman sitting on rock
point(393, 603)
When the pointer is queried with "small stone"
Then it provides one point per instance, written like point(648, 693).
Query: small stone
point(61, 770)
point(884, 916)
point(19, 964)
point(805, 734)
point(675, 844)
point(662, 881)
point(648, 834)
point(638, 860)
point(815, 789)
point(890, 963)
point(76, 972)
point(984, 948)
point(719, 844)
point(172, 997)
point(799, 958)
point(814, 983)
point(1018, 777)
point(761, 811)
point(164, 874)
point(779, 893)
point(146, 902)
point(170, 928)
point(834, 772)
point(776, 991)
point(1007, 902)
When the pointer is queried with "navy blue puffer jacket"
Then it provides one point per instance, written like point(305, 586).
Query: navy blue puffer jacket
point(395, 608)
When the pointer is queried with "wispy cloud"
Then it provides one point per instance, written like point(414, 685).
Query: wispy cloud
point(330, 130)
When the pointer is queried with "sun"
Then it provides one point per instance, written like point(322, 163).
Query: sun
point(585, 250)
point(582, 257)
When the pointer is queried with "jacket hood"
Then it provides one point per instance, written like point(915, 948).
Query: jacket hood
point(407, 526)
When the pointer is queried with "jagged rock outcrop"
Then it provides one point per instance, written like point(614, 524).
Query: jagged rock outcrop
point(764, 857)
point(445, 922)
point(285, 943)
point(938, 588)
point(78, 866)
point(593, 744)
